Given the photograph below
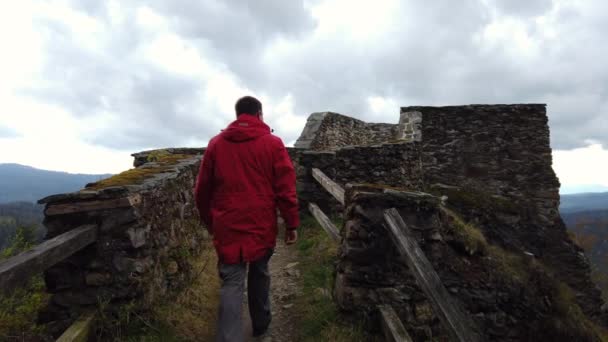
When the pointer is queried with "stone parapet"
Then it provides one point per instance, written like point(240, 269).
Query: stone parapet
point(147, 231)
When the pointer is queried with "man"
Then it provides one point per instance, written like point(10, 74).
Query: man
point(245, 175)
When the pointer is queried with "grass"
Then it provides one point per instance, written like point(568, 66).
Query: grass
point(164, 162)
point(470, 237)
point(567, 319)
point(570, 319)
point(19, 308)
point(318, 316)
point(19, 311)
point(187, 315)
point(470, 198)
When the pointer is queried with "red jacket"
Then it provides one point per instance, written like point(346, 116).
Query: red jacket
point(244, 176)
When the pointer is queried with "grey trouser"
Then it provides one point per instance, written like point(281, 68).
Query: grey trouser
point(230, 323)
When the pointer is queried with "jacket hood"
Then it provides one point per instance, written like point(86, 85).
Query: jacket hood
point(245, 128)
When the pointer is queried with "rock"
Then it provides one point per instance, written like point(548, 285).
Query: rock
point(287, 306)
point(95, 264)
point(98, 279)
point(423, 312)
point(436, 237)
point(143, 265)
point(123, 264)
point(73, 298)
point(293, 273)
point(286, 296)
point(138, 236)
point(323, 292)
point(292, 265)
point(117, 219)
point(172, 267)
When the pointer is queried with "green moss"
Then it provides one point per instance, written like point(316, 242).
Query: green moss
point(156, 155)
point(164, 162)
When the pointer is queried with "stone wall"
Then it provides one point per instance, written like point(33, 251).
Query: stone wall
point(492, 162)
point(306, 186)
point(503, 150)
point(148, 228)
point(509, 295)
point(330, 131)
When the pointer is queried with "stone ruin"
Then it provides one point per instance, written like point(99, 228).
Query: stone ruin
point(489, 223)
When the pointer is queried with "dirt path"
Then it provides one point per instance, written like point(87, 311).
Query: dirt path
point(284, 288)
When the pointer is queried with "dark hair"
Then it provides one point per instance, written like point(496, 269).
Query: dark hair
point(247, 105)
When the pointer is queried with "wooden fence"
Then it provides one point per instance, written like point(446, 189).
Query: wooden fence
point(16, 271)
point(453, 318)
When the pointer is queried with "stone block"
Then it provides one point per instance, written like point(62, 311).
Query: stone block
point(138, 235)
point(98, 279)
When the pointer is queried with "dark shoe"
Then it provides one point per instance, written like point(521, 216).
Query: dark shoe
point(263, 337)
point(262, 333)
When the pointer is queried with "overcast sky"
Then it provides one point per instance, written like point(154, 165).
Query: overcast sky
point(84, 83)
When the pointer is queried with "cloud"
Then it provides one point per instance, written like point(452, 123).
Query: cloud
point(523, 7)
point(167, 73)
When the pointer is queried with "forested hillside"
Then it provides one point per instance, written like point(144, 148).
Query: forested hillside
point(20, 214)
point(584, 202)
point(25, 183)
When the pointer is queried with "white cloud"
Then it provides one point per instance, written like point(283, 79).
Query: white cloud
point(582, 166)
point(112, 77)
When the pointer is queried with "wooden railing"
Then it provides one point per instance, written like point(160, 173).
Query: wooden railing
point(16, 271)
point(452, 317)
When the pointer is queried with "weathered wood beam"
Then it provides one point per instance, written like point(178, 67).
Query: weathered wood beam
point(453, 318)
point(394, 331)
point(18, 269)
point(329, 185)
point(324, 221)
point(68, 208)
point(80, 330)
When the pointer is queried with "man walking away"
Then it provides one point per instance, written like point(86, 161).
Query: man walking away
point(245, 175)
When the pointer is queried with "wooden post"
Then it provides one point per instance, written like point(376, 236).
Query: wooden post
point(80, 330)
point(18, 269)
point(324, 221)
point(332, 187)
point(394, 331)
point(453, 318)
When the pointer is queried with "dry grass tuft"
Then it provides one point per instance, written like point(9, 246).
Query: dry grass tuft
point(470, 237)
point(192, 314)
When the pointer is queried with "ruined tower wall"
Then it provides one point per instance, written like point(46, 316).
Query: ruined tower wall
point(501, 150)
point(494, 164)
point(330, 131)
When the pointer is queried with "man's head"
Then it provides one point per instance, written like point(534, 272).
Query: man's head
point(249, 105)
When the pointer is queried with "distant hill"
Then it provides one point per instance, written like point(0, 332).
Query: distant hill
point(584, 202)
point(25, 183)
